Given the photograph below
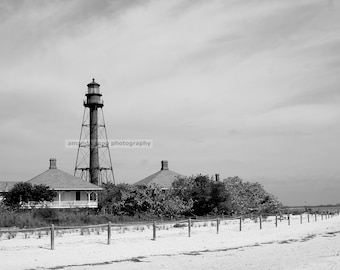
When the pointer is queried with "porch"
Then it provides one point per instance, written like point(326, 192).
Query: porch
point(71, 204)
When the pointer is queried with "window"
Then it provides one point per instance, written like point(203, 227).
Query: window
point(77, 195)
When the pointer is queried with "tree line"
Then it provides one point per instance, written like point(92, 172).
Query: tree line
point(197, 195)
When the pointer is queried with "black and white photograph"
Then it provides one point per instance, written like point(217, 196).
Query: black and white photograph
point(182, 134)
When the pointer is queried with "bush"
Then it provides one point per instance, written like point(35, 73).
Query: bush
point(142, 201)
point(25, 193)
point(46, 215)
point(207, 196)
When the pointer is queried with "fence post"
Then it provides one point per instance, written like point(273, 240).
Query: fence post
point(240, 223)
point(52, 237)
point(154, 230)
point(260, 219)
point(218, 225)
point(321, 216)
point(288, 219)
point(109, 233)
point(189, 227)
point(315, 217)
point(276, 220)
point(300, 218)
point(308, 217)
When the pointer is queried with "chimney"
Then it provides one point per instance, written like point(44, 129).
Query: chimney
point(217, 177)
point(164, 165)
point(53, 163)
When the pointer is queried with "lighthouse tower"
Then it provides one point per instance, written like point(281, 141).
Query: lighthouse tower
point(93, 162)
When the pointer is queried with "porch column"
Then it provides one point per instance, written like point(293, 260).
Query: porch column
point(88, 197)
point(59, 197)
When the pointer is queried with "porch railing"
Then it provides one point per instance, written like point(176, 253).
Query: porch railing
point(63, 204)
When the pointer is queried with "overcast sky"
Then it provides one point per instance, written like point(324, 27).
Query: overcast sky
point(239, 88)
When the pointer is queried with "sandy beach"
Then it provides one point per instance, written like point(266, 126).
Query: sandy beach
point(314, 245)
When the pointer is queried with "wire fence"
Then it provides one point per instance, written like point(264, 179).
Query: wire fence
point(187, 226)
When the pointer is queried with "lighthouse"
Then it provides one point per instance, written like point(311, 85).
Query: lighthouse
point(93, 162)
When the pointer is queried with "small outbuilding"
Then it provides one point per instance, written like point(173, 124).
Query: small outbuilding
point(163, 178)
point(72, 192)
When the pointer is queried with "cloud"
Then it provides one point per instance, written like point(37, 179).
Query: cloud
point(226, 86)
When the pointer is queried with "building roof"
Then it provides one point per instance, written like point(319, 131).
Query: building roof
point(5, 186)
point(164, 178)
point(93, 84)
point(59, 180)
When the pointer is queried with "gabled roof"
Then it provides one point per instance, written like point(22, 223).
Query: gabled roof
point(59, 180)
point(5, 186)
point(163, 178)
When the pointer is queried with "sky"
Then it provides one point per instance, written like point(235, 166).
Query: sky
point(239, 88)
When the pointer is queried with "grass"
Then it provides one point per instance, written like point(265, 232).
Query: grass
point(61, 217)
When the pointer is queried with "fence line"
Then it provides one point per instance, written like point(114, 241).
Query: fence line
point(187, 222)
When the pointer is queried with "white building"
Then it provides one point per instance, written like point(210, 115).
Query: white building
point(72, 192)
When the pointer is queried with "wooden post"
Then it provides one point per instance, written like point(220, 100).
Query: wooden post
point(154, 230)
point(321, 216)
point(109, 233)
point(315, 218)
point(52, 237)
point(288, 220)
point(218, 225)
point(276, 220)
point(300, 218)
point(240, 223)
point(189, 227)
point(260, 219)
point(308, 217)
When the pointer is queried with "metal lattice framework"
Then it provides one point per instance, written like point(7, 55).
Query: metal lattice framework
point(82, 167)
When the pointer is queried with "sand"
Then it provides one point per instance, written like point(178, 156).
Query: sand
point(314, 245)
